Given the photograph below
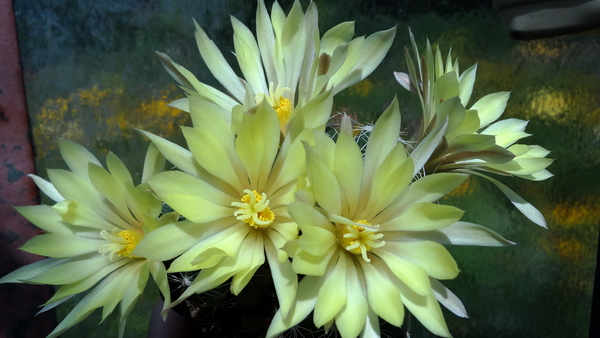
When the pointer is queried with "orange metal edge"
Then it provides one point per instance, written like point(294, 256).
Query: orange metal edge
point(18, 302)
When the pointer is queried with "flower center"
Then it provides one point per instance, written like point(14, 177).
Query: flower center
point(358, 240)
point(282, 105)
point(254, 210)
point(122, 243)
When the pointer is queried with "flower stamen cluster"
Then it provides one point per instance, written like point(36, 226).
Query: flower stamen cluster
point(122, 243)
point(358, 240)
point(254, 210)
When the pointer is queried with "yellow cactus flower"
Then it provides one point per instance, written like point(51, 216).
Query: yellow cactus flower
point(370, 240)
point(233, 191)
point(90, 235)
point(285, 63)
point(471, 140)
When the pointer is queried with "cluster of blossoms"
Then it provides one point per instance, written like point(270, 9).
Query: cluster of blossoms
point(261, 181)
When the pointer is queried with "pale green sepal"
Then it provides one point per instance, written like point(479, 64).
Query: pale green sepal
point(314, 265)
point(314, 114)
point(293, 45)
point(311, 60)
point(127, 275)
point(177, 155)
point(446, 87)
point(278, 21)
point(213, 160)
point(374, 49)
point(71, 272)
point(431, 256)
point(426, 189)
point(326, 188)
point(159, 273)
point(466, 82)
point(175, 183)
point(524, 207)
point(248, 56)
point(118, 169)
point(153, 163)
point(448, 299)
point(73, 187)
point(195, 208)
point(79, 214)
point(538, 176)
point(112, 189)
point(193, 87)
point(423, 151)
point(284, 278)
point(423, 217)
point(456, 113)
point(333, 294)
point(171, 240)
point(490, 107)
point(69, 290)
point(351, 319)
point(427, 310)
point(134, 291)
point(459, 233)
point(289, 166)
point(45, 218)
point(266, 41)
point(95, 299)
point(414, 276)
point(212, 249)
point(31, 270)
point(250, 261)
point(471, 143)
point(387, 186)
point(439, 64)
point(77, 157)
point(217, 64)
point(382, 140)
point(348, 168)
point(469, 125)
point(182, 104)
point(383, 296)
point(528, 166)
point(338, 35)
point(371, 329)
point(52, 305)
point(319, 232)
point(122, 324)
point(537, 151)
point(47, 188)
point(304, 303)
point(174, 70)
point(257, 144)
point(61, 245)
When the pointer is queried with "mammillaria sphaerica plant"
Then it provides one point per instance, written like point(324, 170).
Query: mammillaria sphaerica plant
point(350, 233)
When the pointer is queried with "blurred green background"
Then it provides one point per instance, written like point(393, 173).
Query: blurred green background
point(91, 76)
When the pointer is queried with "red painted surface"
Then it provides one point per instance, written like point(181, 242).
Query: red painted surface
point(18, 302)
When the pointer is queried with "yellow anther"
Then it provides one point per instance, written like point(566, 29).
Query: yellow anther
point(122, 244)
point(254, 209)
point(358, 240)
point(282, 105)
